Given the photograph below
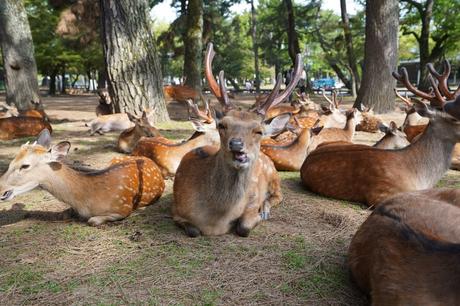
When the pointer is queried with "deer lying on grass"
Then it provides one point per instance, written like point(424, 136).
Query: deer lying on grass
point(289, 156)
point(393, 139)
point(99, 196)
point(237, 184)
point(107, 123)
point(17, 127)
point(408, 251)
point(336, 134)
point(413, 123)
point(181, 93)
point(7, 111)
point(168, 154)
point(129, 138)
point(364, 174)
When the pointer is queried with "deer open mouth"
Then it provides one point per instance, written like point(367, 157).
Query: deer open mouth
point(240, 157)
point(7, 195)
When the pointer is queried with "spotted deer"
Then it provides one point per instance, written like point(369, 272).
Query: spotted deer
point(99, 196)
point(167, 154)
point(364, 174)
point(234, 186)
point(129, 138)
point(408, 251)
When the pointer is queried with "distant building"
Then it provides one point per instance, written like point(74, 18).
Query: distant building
point(413, 70)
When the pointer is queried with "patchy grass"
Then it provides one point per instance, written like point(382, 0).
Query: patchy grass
point(47, 258)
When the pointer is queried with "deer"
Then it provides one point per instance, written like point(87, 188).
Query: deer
point(129, 138)
point(234, 186)
point(393, 138)
point(336, 134)
point(106, 123)
point(181, 93)
point(407, 252)
point(289, 156)
point(98, 196)
point(8, 111)
point(366, 174)
point(105, 106)
point(168, 154)
point(18, 127)
point(414, 124)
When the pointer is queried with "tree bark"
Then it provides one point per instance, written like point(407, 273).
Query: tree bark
point(133, 67)
point(350, 51)
point(255, 46)
point(18, 56)
point(380, 55)
point(63, 81)
point(293, 40)
point(193, 43)
point(101, 78)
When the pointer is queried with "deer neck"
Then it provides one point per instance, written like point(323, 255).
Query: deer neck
point(350, 128)
point(430, 155)
point(70, 186)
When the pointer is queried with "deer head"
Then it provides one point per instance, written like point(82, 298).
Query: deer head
point(142, 125)
point(26, 169)
point(241, 131)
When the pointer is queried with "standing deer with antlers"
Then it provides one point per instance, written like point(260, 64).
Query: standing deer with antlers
point(216, 189)
point(365, 174)
point(98, 196)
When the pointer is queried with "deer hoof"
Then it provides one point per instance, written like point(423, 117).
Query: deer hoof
point(241, 230)
point(191, 230)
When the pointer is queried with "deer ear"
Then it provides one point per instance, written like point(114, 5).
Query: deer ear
point(383, 128)
point(44, 138)
point(60, 150)
point(277, 124)
point(198, 126)
point(393, 126)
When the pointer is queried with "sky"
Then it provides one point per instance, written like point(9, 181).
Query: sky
point(163, 12)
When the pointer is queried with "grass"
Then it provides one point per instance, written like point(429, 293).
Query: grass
point(298, 257)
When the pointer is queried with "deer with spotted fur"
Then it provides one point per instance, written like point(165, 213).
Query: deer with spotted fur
point(98, 196)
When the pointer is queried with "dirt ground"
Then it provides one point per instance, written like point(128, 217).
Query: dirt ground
point(298, 257)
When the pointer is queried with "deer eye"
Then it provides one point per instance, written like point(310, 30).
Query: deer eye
point(259, 132)
point(23, 167)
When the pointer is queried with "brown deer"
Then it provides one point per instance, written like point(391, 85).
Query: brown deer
point(142, 128)
point(289, 156)
point(414, 124)
point(408, 251)
point(216, 189)
point(17, 127)
point(181, 93)
point(364, 174)
point(99, 196)
point(167, 154)
point(393, 138)
point(336, 134)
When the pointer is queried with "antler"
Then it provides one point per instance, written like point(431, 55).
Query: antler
point(294, 80)
point(205, 116)
point(406, 99)
point(219, 92)
point(327, 99)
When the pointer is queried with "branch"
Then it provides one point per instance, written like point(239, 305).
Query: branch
point(415, 4)
point(407, 32)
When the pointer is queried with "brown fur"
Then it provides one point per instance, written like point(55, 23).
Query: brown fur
point(365, 174)
point(288, 156)
point(17, 127)
point(129, 138)
point(212, 191)
point(408, 251)
point(100, 195)
point(369, 123)
point(180, 93)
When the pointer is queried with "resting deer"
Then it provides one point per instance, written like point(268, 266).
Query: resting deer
point(414, 124)
point(393, 138)
point(408, 251)
point(336, 134)
point(181, 93)
point(216, 189)
point(289, 156)
point(107, 123)
point(168, 154)
point(364, 174)
point(142, 128)
point(99, 196)
point(7, 111)
point(17, 127)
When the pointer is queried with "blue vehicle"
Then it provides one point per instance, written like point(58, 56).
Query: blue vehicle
point(325, 83)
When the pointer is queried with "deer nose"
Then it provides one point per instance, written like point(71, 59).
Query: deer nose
point(236, 144)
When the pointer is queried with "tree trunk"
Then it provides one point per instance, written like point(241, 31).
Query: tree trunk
point(424, 44)
point(63, 82)
point(235, 85)
point(52, 90)
point(133, 67)
point(293, 40)
point(255, 46)
point(380, 55)
point(350, 52)
point(193, 44)
point(101, 78)
point(18, 56)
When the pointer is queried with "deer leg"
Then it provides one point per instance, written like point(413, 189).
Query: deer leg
point(248, 220)
point(98, 220)
point(190, 230)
